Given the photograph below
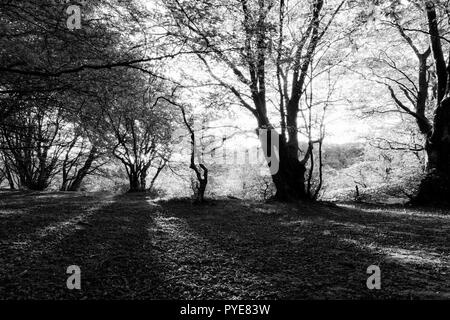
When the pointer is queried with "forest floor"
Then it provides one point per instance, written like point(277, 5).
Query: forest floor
point(131, 247)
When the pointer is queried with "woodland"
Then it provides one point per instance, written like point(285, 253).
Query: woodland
point(238, 149)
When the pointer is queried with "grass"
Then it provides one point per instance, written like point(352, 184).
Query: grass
point(131, 247)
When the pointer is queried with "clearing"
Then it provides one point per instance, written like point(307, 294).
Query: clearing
point(129, 246)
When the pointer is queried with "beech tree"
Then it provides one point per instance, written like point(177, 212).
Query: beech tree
point(268, 46)
point(42, 60)
point(436, 184)
point(138, 126)
point(139, 147)
point(32, 142)
point(425, 96)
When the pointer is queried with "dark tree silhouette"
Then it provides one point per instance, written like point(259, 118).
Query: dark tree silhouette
point(257, 41)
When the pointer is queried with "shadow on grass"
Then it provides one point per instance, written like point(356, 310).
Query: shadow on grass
point(309, 251)
point(25, 213)
point(131, 247)
point(113, 247)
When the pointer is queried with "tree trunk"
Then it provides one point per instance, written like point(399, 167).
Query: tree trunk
point(9, 177)
point(65, 179)
point(39, 183)
point(29, 178)
point(75, 185)
point(201, 191)
point(143, 179)
point(289, 179)
point(137, 182)
point(435, 187)
point(63, 185)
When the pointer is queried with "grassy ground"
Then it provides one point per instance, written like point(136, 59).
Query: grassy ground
point(132, 247)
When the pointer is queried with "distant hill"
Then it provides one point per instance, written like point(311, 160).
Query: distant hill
point(340, 156)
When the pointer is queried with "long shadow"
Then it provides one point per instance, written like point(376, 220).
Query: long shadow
point(132, 248)
point(301, 253)
point(113, 248)
point(22, 213)
point(420, 228)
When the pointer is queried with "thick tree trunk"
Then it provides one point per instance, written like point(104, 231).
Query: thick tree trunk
point(143, 179)
point(201, 191)
point(201, 183)
point(137, 181)
point(290, 178)
point(289, 175)
point(435, 187)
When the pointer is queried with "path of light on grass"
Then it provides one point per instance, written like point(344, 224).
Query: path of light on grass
point(404, 212)
point(55, 231)
point(402, 255)
point(195, 254)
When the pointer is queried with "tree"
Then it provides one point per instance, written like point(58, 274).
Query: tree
point(32, 142)
point(43, 60)
point(436, 185)
point(200, 170)
point(425, 97)
point(250, 40)
point(36, 42)
point(138, 127)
